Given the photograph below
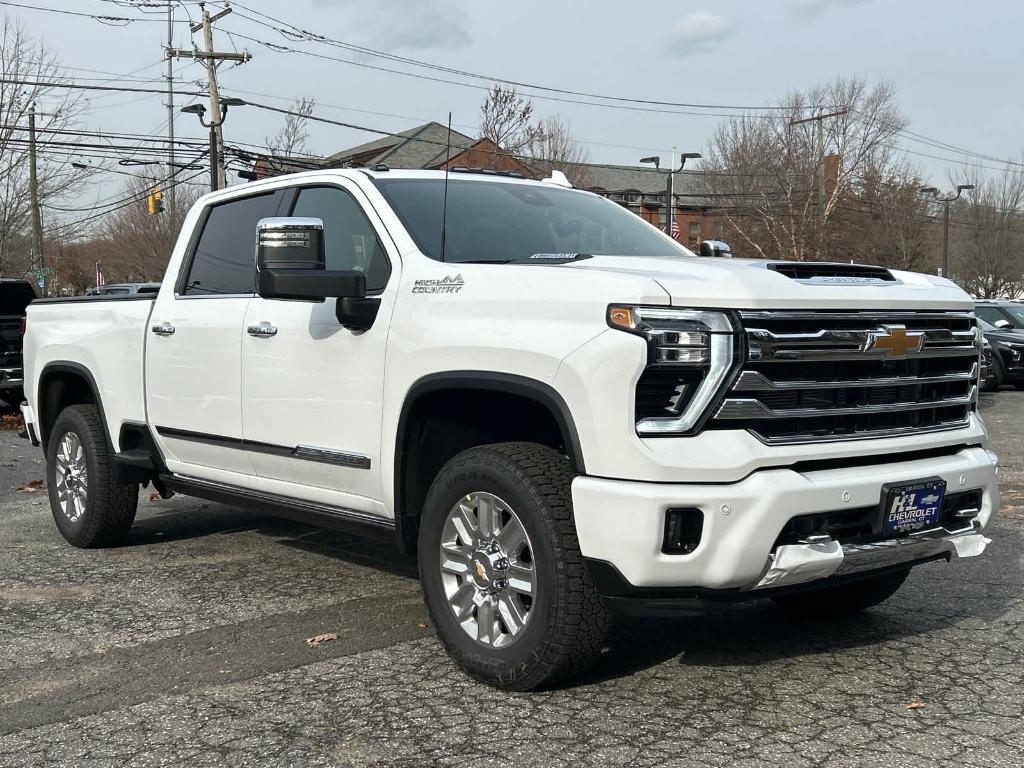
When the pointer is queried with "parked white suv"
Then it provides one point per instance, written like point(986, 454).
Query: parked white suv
point(561, 410)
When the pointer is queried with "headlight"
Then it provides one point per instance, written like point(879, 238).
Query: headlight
point(689, 356)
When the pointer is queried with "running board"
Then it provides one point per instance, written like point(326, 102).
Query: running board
point(322, 515)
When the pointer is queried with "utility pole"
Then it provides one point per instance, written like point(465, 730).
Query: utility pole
point(33, 191)
point(170, 103)
point(211, 57)
point(670, 194)
point(820, 151)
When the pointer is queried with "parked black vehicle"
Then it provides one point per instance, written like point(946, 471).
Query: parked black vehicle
point(1007, 342)
point(122, 289)
point(15, 296)
point(991, 376)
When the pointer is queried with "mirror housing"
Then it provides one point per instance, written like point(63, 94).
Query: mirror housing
point(291, 264)
point(290, 243)
point(1002, 324)
point(715, 249)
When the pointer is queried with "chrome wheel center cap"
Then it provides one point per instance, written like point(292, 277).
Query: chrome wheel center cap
point(489, 569)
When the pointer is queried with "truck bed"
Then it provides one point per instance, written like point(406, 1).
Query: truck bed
point(105, 336)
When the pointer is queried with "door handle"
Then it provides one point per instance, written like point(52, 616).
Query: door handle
point(262, 331)
point(163, 329)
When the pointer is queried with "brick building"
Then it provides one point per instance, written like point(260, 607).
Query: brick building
point(640, 189)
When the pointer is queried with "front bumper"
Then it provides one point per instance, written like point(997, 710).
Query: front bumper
point(621, 524)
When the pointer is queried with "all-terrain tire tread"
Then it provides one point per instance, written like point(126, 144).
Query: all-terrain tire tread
point(112, 507)
point(578, 637)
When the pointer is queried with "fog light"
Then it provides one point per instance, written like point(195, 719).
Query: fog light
point(683, 530)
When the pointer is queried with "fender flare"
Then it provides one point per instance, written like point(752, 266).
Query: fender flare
point(492, 381)
point(79, 370)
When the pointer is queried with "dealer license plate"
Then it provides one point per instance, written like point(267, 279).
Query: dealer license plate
point(913, 507)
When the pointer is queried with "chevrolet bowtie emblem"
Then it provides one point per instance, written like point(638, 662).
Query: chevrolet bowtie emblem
point(895, 341)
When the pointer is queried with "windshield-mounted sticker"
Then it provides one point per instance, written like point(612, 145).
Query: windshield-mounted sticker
point(447, 284)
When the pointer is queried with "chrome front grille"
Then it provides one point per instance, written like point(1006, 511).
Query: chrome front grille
point(823, 376)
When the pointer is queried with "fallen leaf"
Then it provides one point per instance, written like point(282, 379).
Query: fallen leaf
point(916, 705)
point(153, 495)
point(30, 487)
point(313, 642)
point(421, 625)
point(11, 421)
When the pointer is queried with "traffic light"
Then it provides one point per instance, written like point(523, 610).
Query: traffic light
point(154, 202)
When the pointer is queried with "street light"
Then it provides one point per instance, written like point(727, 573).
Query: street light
point(669, 189)
point(213, 125)
point(933, 192)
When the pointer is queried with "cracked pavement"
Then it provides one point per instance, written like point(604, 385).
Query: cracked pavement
point(187, 647)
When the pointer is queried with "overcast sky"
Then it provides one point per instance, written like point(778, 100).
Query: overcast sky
point(956, 66)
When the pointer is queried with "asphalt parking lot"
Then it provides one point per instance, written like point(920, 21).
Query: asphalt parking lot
point(188, 647)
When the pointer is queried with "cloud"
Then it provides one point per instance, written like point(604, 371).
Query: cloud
point(404, 24)
point(699, 32)
point(813, 9)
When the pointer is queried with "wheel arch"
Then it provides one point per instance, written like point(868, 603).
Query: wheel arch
point(541, 397)
point(63, 383)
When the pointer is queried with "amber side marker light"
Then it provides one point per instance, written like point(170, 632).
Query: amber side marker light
point(621, 317)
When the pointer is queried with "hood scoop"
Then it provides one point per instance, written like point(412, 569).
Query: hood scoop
point(827, 273)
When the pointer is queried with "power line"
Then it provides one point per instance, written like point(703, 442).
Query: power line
point(120, 21)
point(303, 34)
point(364, 65)
point(315, 37)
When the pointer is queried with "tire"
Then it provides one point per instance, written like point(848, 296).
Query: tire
point(844, 598)
point(562, 623)
point(997, 375)
point(101, 513)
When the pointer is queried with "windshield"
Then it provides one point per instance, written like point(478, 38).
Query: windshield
point(985, 326)
point(1015, 312)
point(15, 297)
point(502, 222)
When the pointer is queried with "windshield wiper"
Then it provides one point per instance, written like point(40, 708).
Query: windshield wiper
point(536, 258)
point(556, 258)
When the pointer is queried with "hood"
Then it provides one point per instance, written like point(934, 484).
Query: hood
point(761, 284)
point(1011, 335)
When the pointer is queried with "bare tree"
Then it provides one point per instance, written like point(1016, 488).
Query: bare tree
point(506, 119)
point(781, 183)
point(884, 220)
point(288, 148)
point(987, 233)
point(553, 148)
point(290, 140)
point(23, 63)
point(133, 246)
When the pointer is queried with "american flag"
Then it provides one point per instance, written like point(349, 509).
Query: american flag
point(100, 279)
point(675, 230)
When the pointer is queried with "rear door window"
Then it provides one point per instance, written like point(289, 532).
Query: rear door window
point(224, 261)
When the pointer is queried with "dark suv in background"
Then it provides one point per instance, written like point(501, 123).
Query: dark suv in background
point(1003, 327)
point(15, 296)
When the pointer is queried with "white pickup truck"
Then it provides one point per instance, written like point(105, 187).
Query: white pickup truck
point(563, 412)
